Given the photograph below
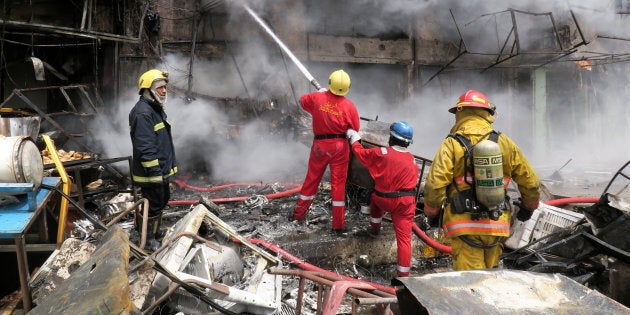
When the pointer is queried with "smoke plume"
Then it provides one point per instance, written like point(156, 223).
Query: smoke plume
point(585, 120)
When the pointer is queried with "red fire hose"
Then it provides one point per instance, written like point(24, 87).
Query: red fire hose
point(431, 242)
point(423, 236)
point(306, 266)
point(555, 202)
point(182, 184)
point(564, 201)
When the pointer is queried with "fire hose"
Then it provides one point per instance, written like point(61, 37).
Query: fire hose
point(564, 201)
point(429, 241)
point(425, 238)
point(182, 184)
point(421, 234)
point(447, 249)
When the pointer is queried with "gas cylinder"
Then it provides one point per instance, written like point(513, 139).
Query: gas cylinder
point(20, 161)
point(488, 165)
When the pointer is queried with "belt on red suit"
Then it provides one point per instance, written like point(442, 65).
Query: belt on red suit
point(395, 194)
point(329, 136)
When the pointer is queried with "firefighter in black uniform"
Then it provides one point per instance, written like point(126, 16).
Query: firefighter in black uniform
point(154, 163)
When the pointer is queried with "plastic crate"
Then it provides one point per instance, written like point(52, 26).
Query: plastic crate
point(544, 221)
point(552, 219)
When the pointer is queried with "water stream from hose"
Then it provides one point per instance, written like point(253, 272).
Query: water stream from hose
point(295, 60)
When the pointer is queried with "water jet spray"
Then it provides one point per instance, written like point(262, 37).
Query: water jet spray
point(284, 48)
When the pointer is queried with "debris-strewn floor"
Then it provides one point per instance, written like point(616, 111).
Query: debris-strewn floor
point(259, 215)
point(258, 212)
point(267, 219)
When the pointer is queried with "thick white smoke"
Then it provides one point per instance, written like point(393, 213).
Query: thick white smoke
point(591, 135)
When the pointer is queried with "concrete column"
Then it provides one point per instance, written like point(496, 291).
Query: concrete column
point(539, 134)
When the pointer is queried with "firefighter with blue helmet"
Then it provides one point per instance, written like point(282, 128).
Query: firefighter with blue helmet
point(395, 175)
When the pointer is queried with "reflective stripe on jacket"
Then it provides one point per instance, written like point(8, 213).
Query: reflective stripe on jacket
point(153, 151)
point(448, 164)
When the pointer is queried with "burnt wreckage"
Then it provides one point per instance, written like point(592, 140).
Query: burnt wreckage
point(240, 255)
point(229, 247)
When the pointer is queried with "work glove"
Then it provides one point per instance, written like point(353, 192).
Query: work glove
point(523, 213)
point(352, 135)
point(322, 90)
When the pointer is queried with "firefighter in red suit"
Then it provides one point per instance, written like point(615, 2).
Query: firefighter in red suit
point(332, 115)
point(395, 175)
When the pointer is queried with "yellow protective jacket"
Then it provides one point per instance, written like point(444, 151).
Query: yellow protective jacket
point(448, 165)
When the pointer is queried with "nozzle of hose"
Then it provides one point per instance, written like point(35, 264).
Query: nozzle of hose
point(316, 84)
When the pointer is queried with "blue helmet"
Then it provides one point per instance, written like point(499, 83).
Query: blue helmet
point(401, 131)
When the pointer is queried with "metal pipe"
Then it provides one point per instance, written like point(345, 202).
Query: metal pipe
point(172, 287)
point(300, 300)
point(318, 278)
point(373, 301)
point(516, 38)
point(145, 219)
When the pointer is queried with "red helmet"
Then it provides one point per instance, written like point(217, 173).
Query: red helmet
point(472, 98)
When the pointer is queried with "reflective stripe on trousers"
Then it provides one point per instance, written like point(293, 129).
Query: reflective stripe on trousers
point(336, 154)
point(402, 210)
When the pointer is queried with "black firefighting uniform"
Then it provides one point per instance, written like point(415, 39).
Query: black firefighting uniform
point(154, 163)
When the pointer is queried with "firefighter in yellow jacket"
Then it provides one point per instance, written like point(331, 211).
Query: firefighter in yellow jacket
point(476, 236)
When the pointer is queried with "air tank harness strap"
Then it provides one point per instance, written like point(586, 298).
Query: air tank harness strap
point(396, 194)
point(329, 136)
point(477, 245)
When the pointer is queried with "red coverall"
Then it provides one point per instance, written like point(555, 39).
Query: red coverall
point(393, 169)
point(332, 116)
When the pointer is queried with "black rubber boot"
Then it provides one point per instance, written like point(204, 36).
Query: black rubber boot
point(154, 234)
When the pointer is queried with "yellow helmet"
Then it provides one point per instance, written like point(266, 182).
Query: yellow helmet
point(339, 83)
point(147, 78)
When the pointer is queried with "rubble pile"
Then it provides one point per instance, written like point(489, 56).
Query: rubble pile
point(230, 248)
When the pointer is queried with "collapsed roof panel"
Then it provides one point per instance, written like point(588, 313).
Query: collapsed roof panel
point(89, 19)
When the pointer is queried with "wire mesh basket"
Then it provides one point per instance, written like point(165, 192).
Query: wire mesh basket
point(544, 221)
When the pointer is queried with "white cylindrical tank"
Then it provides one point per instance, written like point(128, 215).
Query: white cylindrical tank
point(20, 161)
